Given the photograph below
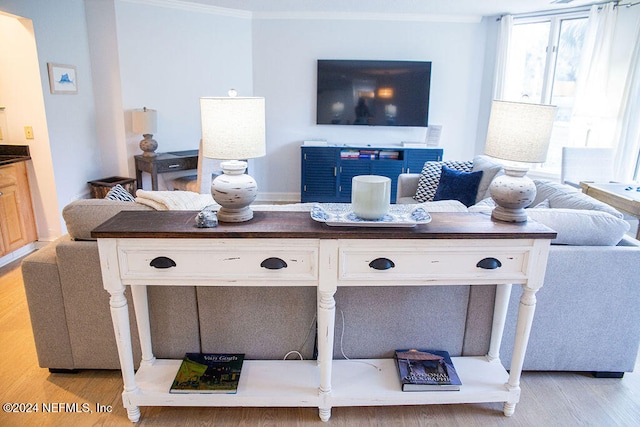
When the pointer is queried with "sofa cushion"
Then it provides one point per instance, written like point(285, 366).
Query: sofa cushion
point(564, 196)
point(577, 227)
point(458, 185)
point(82, 216)
point(430, 177)
point(490, 169)
point(581, 227)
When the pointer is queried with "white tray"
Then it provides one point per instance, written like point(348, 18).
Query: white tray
point(341, 214)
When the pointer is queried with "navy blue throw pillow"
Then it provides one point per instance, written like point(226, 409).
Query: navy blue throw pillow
point(457, 185)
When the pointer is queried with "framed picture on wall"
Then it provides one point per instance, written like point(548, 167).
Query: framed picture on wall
point(62, 78)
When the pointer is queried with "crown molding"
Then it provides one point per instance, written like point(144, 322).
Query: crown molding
point(317, 16)
point(368, 16)
point(195, 7)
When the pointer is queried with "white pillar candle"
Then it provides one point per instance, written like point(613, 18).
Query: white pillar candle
point(370, 196)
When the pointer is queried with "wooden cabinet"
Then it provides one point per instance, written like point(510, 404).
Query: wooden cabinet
point(326, 171)
point(17, 224)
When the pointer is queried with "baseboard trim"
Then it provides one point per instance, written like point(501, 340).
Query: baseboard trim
point(17, 254)
point(277, 198)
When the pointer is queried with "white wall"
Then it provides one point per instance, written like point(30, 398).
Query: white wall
point(170, 57)
point(61, 37)
point(285, 53)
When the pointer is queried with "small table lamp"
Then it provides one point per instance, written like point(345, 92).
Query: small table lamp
point(145, 122)
point(518, 132)
point(233, 128)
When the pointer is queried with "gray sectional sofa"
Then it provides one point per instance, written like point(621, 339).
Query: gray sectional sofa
point(587, 318)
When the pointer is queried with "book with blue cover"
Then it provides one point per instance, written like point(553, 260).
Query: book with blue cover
point(426, 370)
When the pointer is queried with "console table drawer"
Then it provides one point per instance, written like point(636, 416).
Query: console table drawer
point(177, 164)
point(223, 261)
point(435, 262)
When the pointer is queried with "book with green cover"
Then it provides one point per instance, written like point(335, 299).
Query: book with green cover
point(208, 373)
point(426, 370)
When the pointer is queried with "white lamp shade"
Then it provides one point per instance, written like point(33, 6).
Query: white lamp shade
point(233, 128)
point(144, 121)
point(519, 131)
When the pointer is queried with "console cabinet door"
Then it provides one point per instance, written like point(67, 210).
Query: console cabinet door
point(347, 170)
point(17, 225)
point(391, 169)
point(415, 158)
point(319, 174)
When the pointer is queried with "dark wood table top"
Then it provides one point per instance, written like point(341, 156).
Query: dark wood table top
point(265, 224)
point(172, 155)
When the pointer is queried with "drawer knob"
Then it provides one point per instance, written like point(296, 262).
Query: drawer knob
point(489, 263)
point(162, 262)
point(381, 264)
point(273, 263)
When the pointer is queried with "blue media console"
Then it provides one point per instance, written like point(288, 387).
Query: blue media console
point(326, 171)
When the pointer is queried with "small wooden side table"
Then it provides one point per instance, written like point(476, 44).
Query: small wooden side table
point(616, 195)
point(162, 163)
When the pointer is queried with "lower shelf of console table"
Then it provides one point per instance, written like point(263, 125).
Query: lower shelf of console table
point(293, 383)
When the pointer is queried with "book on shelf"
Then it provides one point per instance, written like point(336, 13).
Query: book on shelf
point(389, 155)
point(349, 154)
point(208, 373)
point(426, 370)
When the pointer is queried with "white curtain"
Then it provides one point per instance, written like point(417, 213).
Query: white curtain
point(627, 159)
point(594, 114)
point(504, 38)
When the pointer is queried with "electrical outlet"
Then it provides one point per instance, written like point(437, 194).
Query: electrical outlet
point(28, 132)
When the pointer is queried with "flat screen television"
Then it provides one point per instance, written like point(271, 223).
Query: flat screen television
point(374, 93)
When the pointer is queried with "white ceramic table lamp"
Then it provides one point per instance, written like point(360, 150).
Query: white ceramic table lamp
point(145, 122)
point(233, 129)
point(518, 132)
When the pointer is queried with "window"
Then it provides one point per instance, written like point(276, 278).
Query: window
point(542, 65)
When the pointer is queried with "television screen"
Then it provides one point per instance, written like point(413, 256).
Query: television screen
point(380, 93)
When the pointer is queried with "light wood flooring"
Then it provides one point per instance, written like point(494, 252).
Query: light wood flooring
point(548, 399)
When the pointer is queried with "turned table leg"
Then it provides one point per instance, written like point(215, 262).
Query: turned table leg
point(121, 327)
point(523, 329)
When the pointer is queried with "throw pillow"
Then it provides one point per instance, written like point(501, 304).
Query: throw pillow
point(119, 193)
point(490, 170)
point(564, 196)
point(581, 227)
point(430, 177)
point(457, 185)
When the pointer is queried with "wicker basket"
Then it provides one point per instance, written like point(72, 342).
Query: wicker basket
point(101, 187)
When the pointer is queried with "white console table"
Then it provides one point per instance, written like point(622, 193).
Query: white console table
point(140, 248)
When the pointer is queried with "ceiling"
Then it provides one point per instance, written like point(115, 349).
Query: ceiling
point(426, 7)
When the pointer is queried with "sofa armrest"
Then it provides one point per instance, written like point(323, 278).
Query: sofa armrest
point(43, 289)
point(587, 306)
point(407, 185)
